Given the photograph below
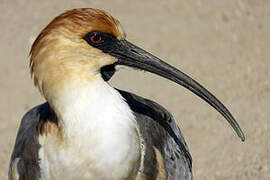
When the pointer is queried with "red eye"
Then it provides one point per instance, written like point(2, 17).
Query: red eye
point(96, 38)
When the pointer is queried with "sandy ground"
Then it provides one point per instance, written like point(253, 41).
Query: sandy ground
point(222, 44)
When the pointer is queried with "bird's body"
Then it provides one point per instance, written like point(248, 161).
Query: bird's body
point(88, 129)
point(40, 147)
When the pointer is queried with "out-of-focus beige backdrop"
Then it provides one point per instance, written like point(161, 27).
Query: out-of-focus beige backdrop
point(222, 44)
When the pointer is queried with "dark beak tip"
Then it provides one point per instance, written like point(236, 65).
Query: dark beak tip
point(243, 138)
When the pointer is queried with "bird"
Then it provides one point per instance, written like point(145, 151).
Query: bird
point(87, 129)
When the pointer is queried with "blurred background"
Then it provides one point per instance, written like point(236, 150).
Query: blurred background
point(222, 44)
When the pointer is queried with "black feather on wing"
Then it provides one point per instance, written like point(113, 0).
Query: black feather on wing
point(27, 146)
point(159, 129)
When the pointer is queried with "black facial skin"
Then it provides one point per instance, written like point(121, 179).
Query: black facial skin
point(130, 55)
point(107, 72)
point(107, 44)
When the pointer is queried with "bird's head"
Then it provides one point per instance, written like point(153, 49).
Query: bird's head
point(87, 44)
point(70, 48)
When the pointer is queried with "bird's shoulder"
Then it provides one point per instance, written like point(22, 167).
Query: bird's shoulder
point(24, 163)
point(164, 144)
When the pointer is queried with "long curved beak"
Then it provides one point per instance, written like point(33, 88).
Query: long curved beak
point(130, 55)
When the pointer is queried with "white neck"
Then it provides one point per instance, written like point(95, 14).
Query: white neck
point(92, 106)
point(97, 119)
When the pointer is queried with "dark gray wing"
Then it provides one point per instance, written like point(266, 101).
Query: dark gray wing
point(24, 163)
point(159, 130)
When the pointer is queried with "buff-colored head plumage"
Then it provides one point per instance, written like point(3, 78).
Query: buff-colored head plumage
point(60, 54)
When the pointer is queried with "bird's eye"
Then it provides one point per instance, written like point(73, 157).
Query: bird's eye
point(96, 38)
point(99, 39)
